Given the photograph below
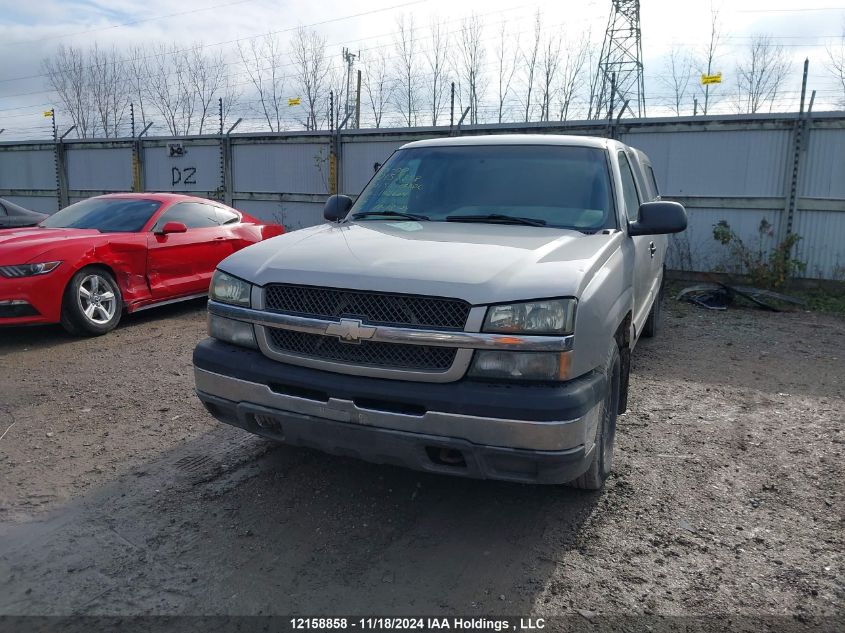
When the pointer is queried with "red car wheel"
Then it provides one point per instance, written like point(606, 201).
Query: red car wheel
point(92, 303)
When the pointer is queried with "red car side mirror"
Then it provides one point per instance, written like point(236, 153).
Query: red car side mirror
point(172, 227)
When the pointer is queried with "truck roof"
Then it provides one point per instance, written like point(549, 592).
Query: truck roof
point(513, 139)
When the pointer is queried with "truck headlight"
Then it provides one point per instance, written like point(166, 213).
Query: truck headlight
point(228, 289)
point(231, 331)
point(545, 366)
point(547, 317)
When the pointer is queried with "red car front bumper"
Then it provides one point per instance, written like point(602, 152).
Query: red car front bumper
point(32, 300)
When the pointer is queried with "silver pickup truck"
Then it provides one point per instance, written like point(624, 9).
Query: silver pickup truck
point(472, 313)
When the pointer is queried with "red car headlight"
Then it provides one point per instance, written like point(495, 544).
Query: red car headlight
point(28, 270)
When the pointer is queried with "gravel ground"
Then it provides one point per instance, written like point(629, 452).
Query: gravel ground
point(120, 495)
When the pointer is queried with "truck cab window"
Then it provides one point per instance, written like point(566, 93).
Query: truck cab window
point(629, 189)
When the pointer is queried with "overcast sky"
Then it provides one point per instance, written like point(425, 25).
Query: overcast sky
point(30, 31)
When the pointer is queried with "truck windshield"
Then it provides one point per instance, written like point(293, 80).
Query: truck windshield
point(552, 185)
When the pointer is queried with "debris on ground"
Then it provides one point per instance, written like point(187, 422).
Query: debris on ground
point(718, 296)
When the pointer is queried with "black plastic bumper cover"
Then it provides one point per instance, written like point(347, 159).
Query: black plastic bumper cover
point(398, 448)
point(567, 401)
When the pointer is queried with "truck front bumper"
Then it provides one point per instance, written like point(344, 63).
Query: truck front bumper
point(526, 433)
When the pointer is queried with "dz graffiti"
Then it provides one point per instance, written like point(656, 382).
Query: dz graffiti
point(184, 176)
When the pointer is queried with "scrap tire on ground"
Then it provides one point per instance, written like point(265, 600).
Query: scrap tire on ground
point(92, 304)
point(602, 460)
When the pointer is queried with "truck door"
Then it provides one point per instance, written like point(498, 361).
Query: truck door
point(645, 248)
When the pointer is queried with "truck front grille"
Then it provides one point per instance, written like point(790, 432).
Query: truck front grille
point(378, 308)
point(368, 353)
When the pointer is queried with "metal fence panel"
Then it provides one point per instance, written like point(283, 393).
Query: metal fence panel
point(27, 169)
point(822, 244)
point(198, 170)
point(823, 165)
point(292, 215)
point(697, 163)
point(359, 160)
point(42, 204)
point(106, 169)
point(731, 168)
point(697, 249)
point(281, 167)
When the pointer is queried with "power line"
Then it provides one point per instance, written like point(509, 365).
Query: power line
point(287, 64)
point(130, 23)
point(252, 37)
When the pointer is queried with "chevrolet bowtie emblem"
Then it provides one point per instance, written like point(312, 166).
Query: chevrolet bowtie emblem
point(350, 330)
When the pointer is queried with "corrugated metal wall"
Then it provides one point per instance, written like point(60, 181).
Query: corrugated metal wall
point(105, 169)
point(737, 169)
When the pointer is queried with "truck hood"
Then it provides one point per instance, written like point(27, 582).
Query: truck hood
point(480, 263)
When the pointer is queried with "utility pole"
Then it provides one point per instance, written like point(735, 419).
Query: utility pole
point(358, 103)
point(621, 55)
point(349, 58)
point(132, 118)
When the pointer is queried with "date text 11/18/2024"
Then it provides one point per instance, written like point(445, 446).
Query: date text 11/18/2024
point(422, 624)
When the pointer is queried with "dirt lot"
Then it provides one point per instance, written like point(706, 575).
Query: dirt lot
point(120, 495)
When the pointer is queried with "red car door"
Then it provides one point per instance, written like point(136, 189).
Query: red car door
point(180, 264)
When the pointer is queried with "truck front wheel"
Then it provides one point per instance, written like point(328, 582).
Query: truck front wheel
point(601, 462)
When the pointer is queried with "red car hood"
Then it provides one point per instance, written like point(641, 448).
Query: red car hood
point(19, 246)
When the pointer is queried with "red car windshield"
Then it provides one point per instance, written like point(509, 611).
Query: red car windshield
point(107, 215)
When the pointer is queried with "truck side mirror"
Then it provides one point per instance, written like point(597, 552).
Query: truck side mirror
point(337, 207)
point(659, 217)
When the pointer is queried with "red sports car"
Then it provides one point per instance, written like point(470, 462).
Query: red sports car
point(90, 262)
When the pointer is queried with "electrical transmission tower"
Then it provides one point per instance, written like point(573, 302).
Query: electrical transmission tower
point(619, 76)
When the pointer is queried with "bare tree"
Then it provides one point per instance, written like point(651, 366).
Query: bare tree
point(572, 74)
point(549, 65)
point(378, 86)
point(263, 59)
point(436, 59)
point(68, 75)
point(406, 95)
point(506, 61)
point(706, 63)
point(230, 93)
point(107, 83)
point(312, 73)
point(593, 61)
point(206, 79)
point(760, 74)
point(676, 77)
point(529, 60)
point(168, 88)
point(836, 65)
point(137, 78)
point(471, 63)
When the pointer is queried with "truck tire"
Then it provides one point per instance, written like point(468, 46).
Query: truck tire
point(602, 460)
point(92, 304)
